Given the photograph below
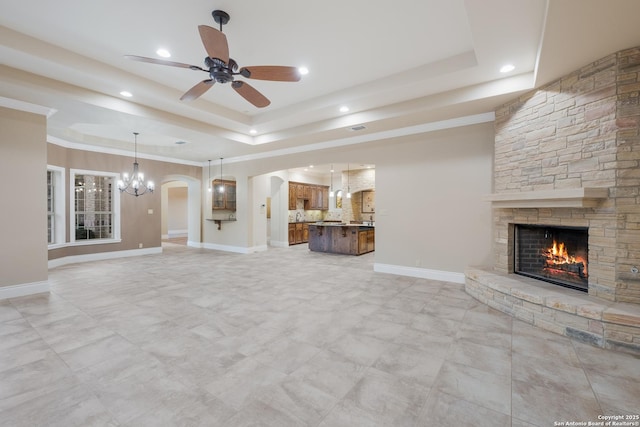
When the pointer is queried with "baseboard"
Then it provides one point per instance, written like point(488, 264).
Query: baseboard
point(102, 256)
point(24, 289)
point(226, 248)
point(422, 273)
point(177, 233)
point(278, 244)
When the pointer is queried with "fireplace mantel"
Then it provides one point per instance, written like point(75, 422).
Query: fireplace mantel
point(587, 197)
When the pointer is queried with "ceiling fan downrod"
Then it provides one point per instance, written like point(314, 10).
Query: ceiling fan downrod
point(221, 17)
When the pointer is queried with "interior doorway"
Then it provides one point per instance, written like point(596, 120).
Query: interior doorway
point(181, 210)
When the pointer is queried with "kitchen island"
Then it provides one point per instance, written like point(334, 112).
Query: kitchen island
point(340, 238)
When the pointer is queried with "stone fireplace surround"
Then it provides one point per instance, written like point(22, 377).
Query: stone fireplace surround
point(568, 154)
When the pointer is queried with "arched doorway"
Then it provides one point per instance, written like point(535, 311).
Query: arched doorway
point(193, 203)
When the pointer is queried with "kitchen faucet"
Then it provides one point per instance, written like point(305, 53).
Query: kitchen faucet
point(298, 216)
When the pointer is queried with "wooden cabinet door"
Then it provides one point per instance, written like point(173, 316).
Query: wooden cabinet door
point(230, 196)
point(325, 199)
point(305, 233)
point(314, 197)
point(292, 234)
point(306, 191)
point(371, 240)
point(292, 196)
point(299, 191)
point(299, 232)
point(362, 242)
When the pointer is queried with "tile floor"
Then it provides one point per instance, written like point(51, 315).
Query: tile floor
point(287, 337)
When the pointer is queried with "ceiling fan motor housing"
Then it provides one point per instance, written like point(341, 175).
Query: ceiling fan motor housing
point(218, 70)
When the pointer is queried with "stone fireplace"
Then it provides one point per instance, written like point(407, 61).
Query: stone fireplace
point(567, 155)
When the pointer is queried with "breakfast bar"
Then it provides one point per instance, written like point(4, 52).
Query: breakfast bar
point(341, 238)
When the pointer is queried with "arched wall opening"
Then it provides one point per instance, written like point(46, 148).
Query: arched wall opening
point(193, 205)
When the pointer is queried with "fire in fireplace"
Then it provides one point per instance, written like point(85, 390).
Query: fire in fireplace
point(554, 254)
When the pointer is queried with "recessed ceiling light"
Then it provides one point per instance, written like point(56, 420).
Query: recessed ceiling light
point(344, 109)
point(507, 68)
point(126, 93)
point(253, 131)
point(303, 71)
point(310, 166)
point(163, 53)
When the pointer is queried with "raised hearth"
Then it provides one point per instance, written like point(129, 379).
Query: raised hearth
point(563, 311)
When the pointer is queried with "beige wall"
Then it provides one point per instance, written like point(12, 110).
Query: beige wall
point(177, 210)
point(429, 188)
point(138, 226)
point(23, 216)
point(429, 208)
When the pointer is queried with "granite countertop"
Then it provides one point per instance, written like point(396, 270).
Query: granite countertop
point(341, 224)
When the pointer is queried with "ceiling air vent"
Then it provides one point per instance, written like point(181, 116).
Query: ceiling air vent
point(357, 128)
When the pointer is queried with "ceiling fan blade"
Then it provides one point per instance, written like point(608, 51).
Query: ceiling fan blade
point(198, 90)
point(215, 42)
point(162, 62)
point(249, 93)
point(271, 72)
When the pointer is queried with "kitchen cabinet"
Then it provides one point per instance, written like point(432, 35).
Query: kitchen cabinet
point(325, 198)
point(293, 188)
point(345, 239)
point(298, 233)
point(305, 233)
point(316, 197)
point(292, 234)
point(371, 240)
point(224, 195)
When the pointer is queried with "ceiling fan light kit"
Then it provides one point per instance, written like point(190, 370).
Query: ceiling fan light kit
point(223, 69)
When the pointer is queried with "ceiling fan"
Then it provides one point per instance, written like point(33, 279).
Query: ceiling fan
point(223, 69)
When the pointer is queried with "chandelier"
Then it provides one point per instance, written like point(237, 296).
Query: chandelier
point(134, 184)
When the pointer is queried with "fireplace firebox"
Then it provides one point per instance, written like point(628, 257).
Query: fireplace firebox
point(554, 254)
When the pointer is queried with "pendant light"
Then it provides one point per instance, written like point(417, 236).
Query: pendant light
point(348, 187)
point(209, 189)
point(331, 193)
point(221, 189)
point(134, 184)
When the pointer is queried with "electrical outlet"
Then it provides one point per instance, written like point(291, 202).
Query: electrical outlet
point(139, 245)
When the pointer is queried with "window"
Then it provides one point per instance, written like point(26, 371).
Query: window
point(95, 207)
point(55, 206)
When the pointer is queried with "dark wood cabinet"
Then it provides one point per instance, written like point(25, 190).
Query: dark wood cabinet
point(324, 198)
point(298, 233)
point(224, 195)
point(292, 234)
point(293, 198)
point(316, 197)
point(341, 239)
